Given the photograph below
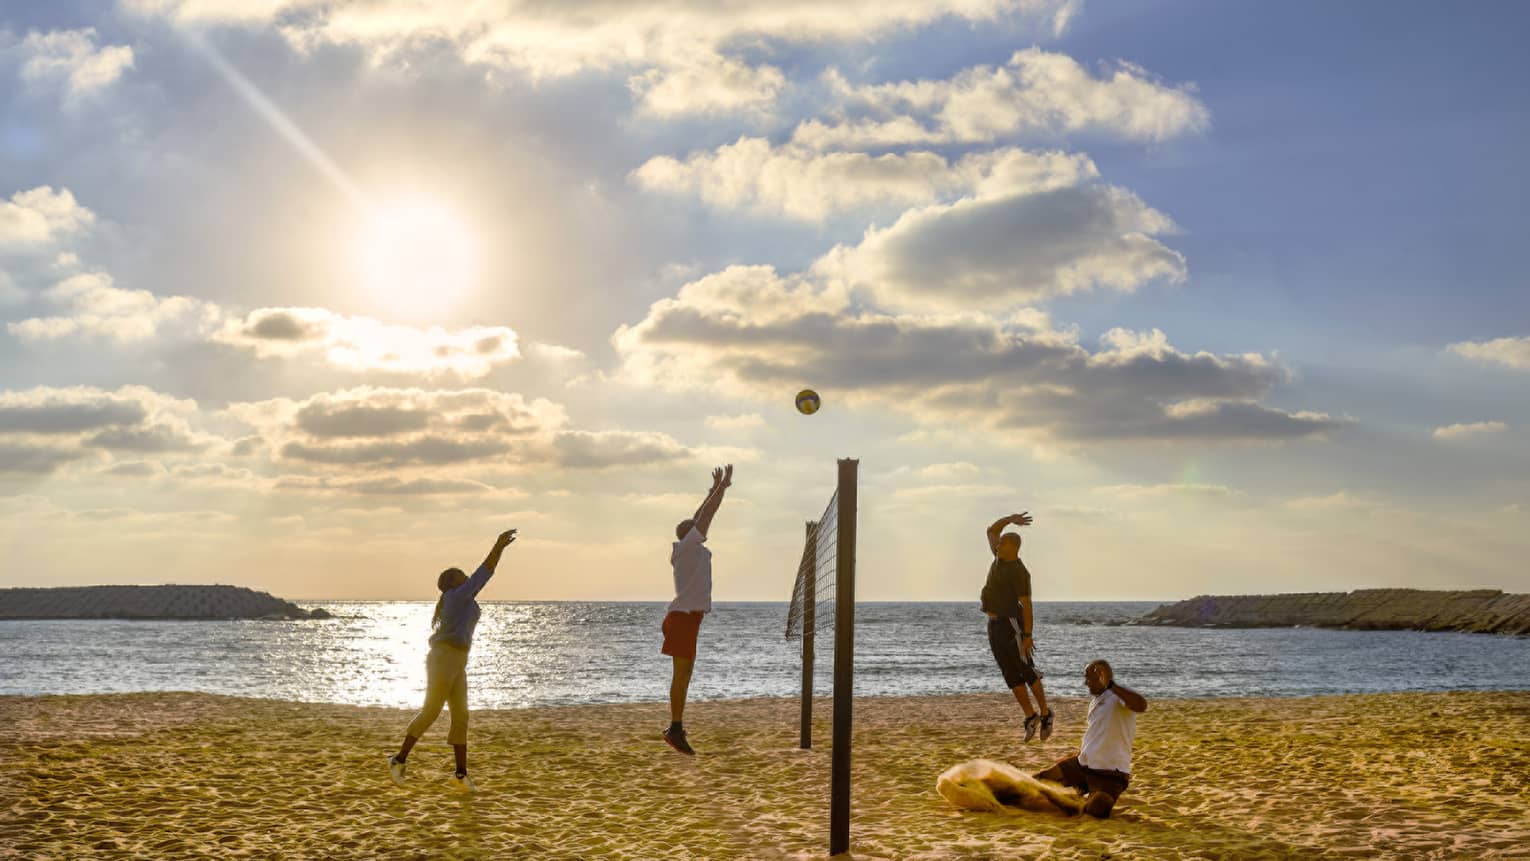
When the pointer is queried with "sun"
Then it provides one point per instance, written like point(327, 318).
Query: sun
point(415, 258)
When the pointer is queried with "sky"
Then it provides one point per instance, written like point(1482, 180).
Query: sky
point(318, 296)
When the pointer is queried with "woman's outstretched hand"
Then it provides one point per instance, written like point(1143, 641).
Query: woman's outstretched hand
point(504, 540)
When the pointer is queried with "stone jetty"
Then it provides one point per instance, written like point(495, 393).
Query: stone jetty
point(1481, 611)
point(148, 602)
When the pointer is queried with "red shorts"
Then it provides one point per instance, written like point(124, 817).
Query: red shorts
point(680, 630)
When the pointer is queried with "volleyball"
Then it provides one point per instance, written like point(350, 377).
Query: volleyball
point(807, 402)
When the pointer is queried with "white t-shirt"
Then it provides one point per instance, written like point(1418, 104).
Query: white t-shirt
point(1108, 734)
point(693, 574)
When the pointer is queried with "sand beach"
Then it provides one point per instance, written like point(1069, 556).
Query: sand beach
point(159, 775)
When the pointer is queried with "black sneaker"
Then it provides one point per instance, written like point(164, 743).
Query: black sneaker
point(676, 740)
point(1046, 725)
point(1030, 726)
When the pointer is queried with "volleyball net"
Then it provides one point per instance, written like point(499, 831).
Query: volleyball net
point(812, 608)
point(823, 599)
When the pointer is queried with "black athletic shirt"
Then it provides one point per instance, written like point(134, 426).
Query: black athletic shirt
point(1008, 582)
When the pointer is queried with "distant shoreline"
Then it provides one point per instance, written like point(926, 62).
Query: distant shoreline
point(1477, 611)
point(148, 603)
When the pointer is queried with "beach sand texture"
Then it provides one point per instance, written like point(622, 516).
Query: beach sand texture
point(192, 775)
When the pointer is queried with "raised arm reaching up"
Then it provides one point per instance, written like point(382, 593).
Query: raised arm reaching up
point(1021, 519)
point(481, 577)
point(722, 477)
point(504, 540)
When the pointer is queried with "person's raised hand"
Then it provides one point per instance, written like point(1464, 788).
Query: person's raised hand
point(506, 538)
point(717, 478)
point(1022, 519)
point(727, 479)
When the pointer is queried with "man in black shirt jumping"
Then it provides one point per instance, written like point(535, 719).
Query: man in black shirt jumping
point(1007, 601)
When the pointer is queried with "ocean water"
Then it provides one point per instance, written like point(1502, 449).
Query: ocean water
point(530, 654)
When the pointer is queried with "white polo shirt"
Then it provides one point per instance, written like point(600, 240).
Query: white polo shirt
point(1108, 734)
point(693, 574)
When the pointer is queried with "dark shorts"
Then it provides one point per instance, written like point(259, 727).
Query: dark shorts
point(1069, 772)
point(1004, 639)
point(680, 632)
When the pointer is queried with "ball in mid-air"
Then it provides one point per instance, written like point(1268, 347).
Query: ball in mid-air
point(807, 402)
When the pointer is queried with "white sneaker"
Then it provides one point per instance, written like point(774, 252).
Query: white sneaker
point(464, 783)
point(396, 770)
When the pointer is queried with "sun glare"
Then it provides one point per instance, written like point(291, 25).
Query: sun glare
point(415, 258)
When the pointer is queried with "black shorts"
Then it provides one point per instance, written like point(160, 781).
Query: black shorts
point(1069, 772)
point(1004, 639)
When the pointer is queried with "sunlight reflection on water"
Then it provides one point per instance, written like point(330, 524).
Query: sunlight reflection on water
point(527, 654)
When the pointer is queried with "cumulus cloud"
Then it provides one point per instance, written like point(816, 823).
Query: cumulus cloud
point(72, 58)
point(1037, 93)
point(37, 219)
point(1469, 429)
point(369, 428)
point(706, 83)
point(1010, 248)
point(749, 330)
point(45, 427)
point(35, 460)
point(368, 441)
point(89, 304)
point(681, 54)
point(1506, 352)
point(92, 306)
point(364, 344)
point(95, 307)
point(158, 439)
point(67, 411)
point(799, 183)
point(48, 410)
point(328, 419)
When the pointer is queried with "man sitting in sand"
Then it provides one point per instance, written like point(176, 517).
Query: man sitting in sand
point(1007, 601)
point(692, 562)
point(1103, 767)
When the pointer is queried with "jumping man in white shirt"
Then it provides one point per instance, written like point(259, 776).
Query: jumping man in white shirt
point(692, 562)
point(1103, 767)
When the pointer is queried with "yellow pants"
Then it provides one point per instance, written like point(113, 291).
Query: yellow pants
point(445, 684)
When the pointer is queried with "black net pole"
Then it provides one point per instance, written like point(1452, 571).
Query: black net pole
point(844, 660)
point(809, 621)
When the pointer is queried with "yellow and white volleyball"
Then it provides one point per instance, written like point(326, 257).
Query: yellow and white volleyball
point(807, 402)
